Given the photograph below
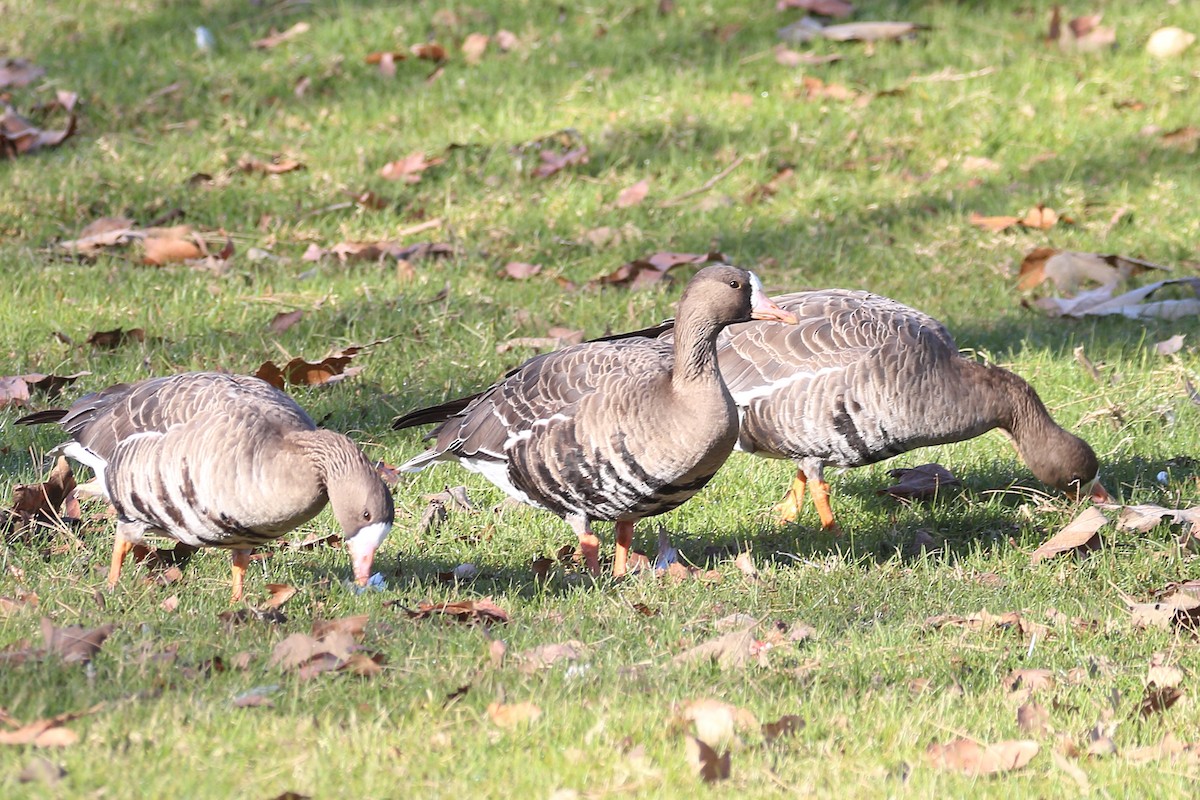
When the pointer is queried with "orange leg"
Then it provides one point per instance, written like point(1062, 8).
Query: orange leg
point(241, 560)
point(624, 540)
point(121, 548)
point(820, 496)
point(788, 508)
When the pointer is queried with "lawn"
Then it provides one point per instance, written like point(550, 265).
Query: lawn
point(514, 187)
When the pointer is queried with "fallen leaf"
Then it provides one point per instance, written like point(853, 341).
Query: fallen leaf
point(808, 29)
point(1169, 347)
point(276, 166)
point(276, 38)
point(1080, 536)
point(354, 626)
point(19, 72)
point(1033, 719)
point(364, 665)
point(972, 758)
point(1163, 43)
point(1131, 304)
point(648, 271)
point(168, 249)
point(519, 270)
point(19, 136)
point(554, 162)
point(733, 649)
point(39, 503)
point(505, 715)
point(1068, 269)
point(47, 732)
point(1158, 699)
point(786, 57)
point(409, 168)
point(1032, 679)
point(1082, 34)
point(745, 564)
point(284, 320)
point(706, 762)
point(482, 611)
point(634, 194)
point(786, 725)
point(473, 47)
point(429, 51)
point(921, 483)
point(280, 594)
point(826, 8)
point(547, 655)
point(506, 41)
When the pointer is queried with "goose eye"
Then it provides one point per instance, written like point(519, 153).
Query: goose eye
point(736, 284)
point(366, 515)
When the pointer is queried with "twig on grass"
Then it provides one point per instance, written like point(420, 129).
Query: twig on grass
point(704, 187)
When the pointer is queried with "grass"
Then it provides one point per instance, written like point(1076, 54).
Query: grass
point(879, 199)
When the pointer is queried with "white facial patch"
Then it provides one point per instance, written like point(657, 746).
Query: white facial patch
point(368, 538)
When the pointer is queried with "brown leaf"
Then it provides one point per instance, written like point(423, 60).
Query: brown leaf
point(634, 194)
point(733, 649)
point(276, 166)
point(19, 136)
point(482, 611)
point(354, 626)
point(284, 320)
point(870, 31)
point(1158, 699)
point(111, 340)
point(388, 57)
point(159, 250)
point(506, 41)
point(826, 8)
point(505, 715)
point(648, 271)
point(40, 502)
point(409, 168)
point(473, 47)
point(1032, 679)
point(497, 650)
point(1033, 719)
point(51, 385)
point(298, 372)
point(364, 665)
point(519, 270)
point(429, 51)
point(74, 643)
point(786, 725)
point(19, 72)
point(1082, 34)
point(47, 732)
point(280, 594)
point(553, 162)
point(547, 655)
point(706, 762)
point(277, 38)
point(992, 223)
point(921, 483)
point(786, 57)
point(14, 391)
point(972, 758)
point(1081, 536)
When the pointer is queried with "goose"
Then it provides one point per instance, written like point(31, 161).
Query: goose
point(863, 378)
point(218, 460)
point(608, 430)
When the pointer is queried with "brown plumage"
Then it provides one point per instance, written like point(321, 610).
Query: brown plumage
point(862, 378)
point(609, 430)
point(216, 460)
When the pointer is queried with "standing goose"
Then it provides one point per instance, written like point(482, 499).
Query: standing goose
point(608, 430)
point(220, 460)
point(862, 378)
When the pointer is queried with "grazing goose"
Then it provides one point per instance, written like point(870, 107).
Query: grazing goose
point(862, 378)
point(220, 460)
point(608, 430)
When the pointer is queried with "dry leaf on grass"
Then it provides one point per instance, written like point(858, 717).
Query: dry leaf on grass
point(278, 165)
point(786, 57)
point(1169, 42)
point(1033, 719)
point(1080, 536)
point(921, 483)
point(733, 649)
point(39, 503)
point(547, 655)
point(280, 594)
point(1082, 34)
point(276, 38)
point(1032, 679)
point(429, 51)
point(506, 715)
point(519, 270)
point(473, 47)
point(1169, 347)
point(111, 340)
point(826, 8)
point(714, 721)
point(808, 29)
point(651, 270)
point(284, 320)
point(19, 72)
point(984, 621)
point(1039, 217)
point(1158, 699)
point(74, 643)
point(787, 725)
point(1067, 269)
point(409, 168)
point(1132, 304)
point(634, 194)
point(19, 136)
point(47, 732)
point(554, 162)
point(972, 758)
point(705, 761)
point(482, 611)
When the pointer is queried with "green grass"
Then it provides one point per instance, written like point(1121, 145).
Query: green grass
point(879, 200)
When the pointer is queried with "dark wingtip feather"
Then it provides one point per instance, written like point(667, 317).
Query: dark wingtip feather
point(41, 417)
point(438, 413)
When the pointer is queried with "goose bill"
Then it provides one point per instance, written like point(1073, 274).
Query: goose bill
point(763, 307)
point(362, 547)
